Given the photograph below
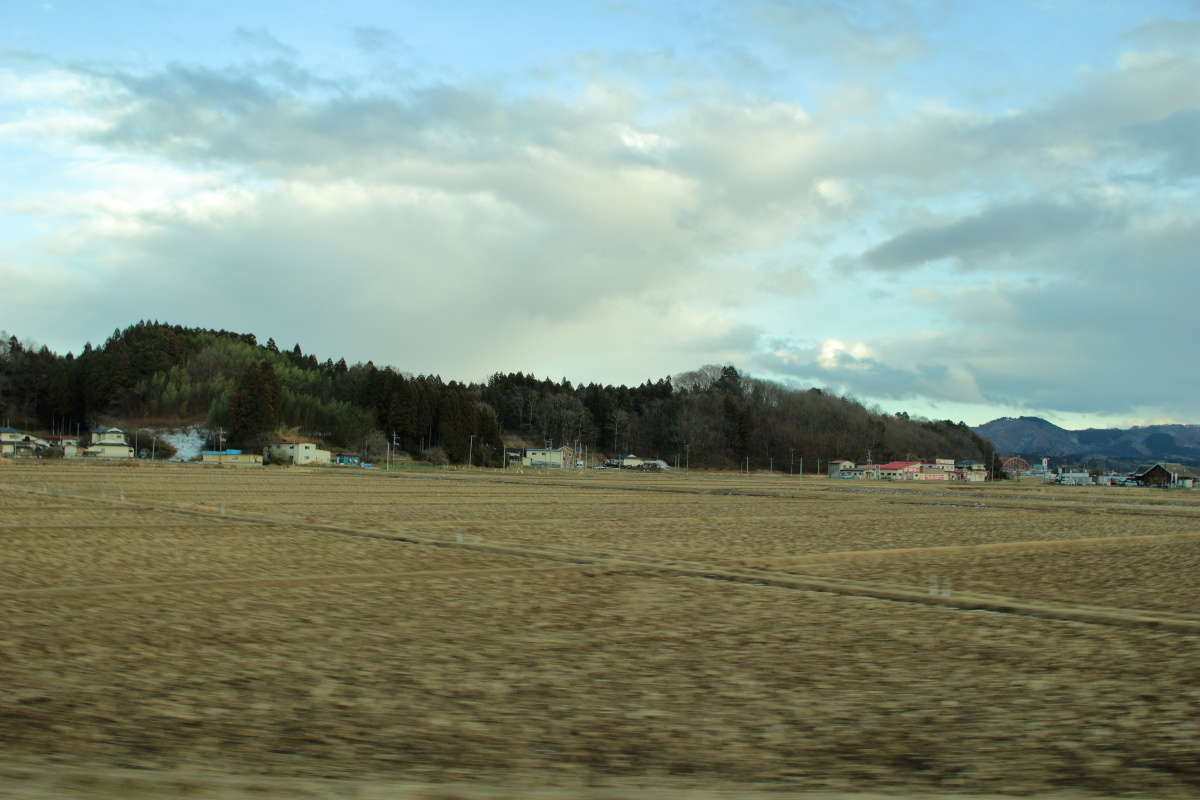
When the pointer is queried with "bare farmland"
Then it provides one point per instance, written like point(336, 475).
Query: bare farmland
point(538, 630)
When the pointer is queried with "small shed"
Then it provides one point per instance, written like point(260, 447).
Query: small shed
point(347, 459)
point(232, 458)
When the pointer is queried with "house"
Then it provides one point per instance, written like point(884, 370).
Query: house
point(232, 458)
point(838, 465)
point(295, 453)
point(15, 443)
point(1166, 474)
point(347, 459)
point(10, 440)
point(108, 443)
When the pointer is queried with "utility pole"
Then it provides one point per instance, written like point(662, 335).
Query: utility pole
point(791, 460)
point(471, 450)
point(687, 459)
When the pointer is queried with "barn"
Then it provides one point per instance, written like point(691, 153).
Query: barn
point(1165, 474)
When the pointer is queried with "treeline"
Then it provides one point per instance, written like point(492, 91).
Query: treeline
point(712, 417)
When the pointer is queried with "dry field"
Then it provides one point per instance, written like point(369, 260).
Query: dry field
point(344, 633)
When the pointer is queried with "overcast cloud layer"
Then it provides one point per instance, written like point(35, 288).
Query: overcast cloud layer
point(951, 209)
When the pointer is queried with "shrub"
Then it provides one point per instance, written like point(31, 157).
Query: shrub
point(435, 456)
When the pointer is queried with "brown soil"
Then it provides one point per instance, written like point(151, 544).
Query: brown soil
point(354, 634)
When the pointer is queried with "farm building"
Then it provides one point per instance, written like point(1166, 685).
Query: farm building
point(295, 453)
point(108, 443)
point(1166, 474)
point(347, 459)
point(232, 458)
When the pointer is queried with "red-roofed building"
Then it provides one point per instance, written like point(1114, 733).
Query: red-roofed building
point(900, 470)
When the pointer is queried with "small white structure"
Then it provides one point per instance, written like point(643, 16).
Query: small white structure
point(295, 453)
point(549, 457)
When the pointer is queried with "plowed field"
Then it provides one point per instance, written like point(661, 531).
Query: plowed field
point(480, 629)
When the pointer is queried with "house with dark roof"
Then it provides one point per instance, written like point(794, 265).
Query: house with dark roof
point(1166, 474)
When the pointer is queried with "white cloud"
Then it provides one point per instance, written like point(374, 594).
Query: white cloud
point(651, 215)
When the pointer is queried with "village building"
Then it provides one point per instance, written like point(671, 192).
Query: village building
point(347, 459)
point(231, 458)
point(108, 443)
point(297, 453)
point(1166, 474)
point(548, 457)
point(900, 470)
point(940, 469)
point(16, 443)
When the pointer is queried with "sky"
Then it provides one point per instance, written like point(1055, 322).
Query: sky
point(962, 210)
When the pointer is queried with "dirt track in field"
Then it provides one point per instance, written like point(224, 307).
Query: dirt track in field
point(592, 631)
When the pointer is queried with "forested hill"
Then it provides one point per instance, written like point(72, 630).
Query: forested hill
point(168, 374)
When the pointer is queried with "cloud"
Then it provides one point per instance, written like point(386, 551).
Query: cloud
point(631, 215)
point(261, 39)
point(984, 238)
point(884, 36)
point(376, 41)
point(1108, 335)
point(1177, 138)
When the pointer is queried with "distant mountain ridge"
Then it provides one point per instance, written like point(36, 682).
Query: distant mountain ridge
point(1036, 437)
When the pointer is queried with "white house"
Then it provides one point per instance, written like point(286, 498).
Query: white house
point(295, 453)
point(17, 443)
point(108, 443)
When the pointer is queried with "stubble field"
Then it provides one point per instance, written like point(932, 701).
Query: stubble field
point(702, 632)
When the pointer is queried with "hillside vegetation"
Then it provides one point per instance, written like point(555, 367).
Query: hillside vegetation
point(712, 417)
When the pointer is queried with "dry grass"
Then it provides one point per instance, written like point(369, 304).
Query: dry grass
point(134, 635)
